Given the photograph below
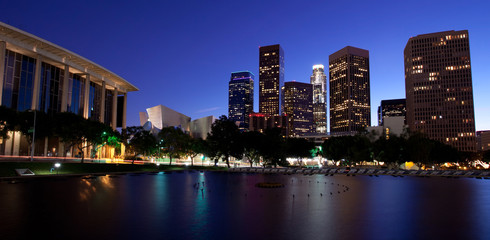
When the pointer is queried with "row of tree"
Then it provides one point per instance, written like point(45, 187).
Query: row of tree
point(72, 130)
point(223, 143)
point(409, 147)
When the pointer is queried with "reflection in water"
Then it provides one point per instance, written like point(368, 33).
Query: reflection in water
point(216, 205)
point(91, 188)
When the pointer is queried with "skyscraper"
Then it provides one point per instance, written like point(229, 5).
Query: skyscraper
point(350, 109)
point(271, 79)
point(392, 108)
point(319, 81)
point(438, 87)
point(298, 108)
point(241, 98)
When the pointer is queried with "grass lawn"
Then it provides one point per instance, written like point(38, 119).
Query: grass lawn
point(7, 169)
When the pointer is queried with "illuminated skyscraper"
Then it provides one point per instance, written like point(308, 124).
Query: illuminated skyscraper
point(298, 108)
point(271, 79)
point(241, 98)
point(438, 87)
point(350, 109)
point(319, 81)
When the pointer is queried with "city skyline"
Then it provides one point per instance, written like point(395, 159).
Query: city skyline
point(150, 45)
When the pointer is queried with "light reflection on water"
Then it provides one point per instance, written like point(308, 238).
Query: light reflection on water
point(215, 205)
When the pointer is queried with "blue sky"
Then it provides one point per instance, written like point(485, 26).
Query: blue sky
point(181, 53)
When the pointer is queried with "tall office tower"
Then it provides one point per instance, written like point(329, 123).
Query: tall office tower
point(298, 108)
point(392, 108)
point(439, 89)
point(350, 109)
point(241, 98)
point(319, 81)
point(271, 79)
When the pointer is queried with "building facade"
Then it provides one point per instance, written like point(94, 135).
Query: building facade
point(439, 90)
point(241, 98)
point(38, 75)
point(271, 79)
point(319, 81)
point(260, 122)
point(392, 108)
point(158, 117)
point(483, 140)
point(298, 108)
point(350, 109)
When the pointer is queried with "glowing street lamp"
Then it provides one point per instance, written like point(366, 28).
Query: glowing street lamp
point(57, 166)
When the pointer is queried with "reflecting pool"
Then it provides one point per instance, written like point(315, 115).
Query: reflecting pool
point(219, 205)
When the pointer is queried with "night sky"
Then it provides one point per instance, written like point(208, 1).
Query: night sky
point(181, 53)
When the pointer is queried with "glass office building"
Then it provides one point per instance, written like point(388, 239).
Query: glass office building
point(350, 99)
point(241, 98)
point(271, 79)
point(319, 81)
point(298, 107)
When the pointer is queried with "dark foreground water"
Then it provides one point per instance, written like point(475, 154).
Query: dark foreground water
point(229, 206)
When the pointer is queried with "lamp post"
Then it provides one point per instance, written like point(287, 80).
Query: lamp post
point(57, 166)
point(33, 137)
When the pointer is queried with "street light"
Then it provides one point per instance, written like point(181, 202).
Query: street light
point(57, 166)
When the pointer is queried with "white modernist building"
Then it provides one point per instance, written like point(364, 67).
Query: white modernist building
point(38, 75)
point(158, 117)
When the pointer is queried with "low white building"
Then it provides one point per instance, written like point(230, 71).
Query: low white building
point(158, 117)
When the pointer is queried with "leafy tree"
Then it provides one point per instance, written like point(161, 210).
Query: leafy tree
point(81, 133)
point(441, 153)
point(174, 142)
point(196, 146)
point(418, 149)
point(8, 120)
point(225, 139)
point(390, 151)
point(359, 148)
point(486, 156)
point(335, 148)
point(299, 148)
point(252, 143)
point(139, 141)
point(272, 150)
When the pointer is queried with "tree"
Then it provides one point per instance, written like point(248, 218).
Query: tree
point(272, 150)
point(225, 139)
point(76, 131)
point(299, 148)
point(196, 146)
point(140, 141)
point(390, 151)
point(8, 120)
point(486, 156)
point(174, 142)
point(252, 142)
point(335, 148)
point(359, 148)
point(418, 149)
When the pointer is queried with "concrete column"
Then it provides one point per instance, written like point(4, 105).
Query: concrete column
point(66, 83)
point(114, 109)
point(8, 143)
point(3, 48)
point(36, 85)
point(46, 146)
point(16, 141)
point(86, 97)
point(102, 103)
point(61, 148)
point(125, 103)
